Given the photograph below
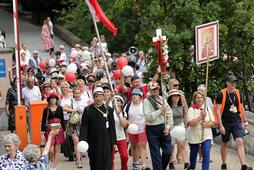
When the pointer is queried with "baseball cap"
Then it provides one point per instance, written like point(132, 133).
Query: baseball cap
point(120, 98)
point(136, 91)
point(98, 90)
point(231, 78)
point(106, 86)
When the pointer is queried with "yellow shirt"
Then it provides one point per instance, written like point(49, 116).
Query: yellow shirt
point(194, 134)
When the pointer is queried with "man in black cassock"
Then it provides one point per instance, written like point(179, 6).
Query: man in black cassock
point(98, 130)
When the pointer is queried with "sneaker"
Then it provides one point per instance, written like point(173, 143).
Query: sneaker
point(171, 166)
point(245, 167)
point(186, 165)
point(144, 167)
point(79, 164)
point(224, 167)
point(135, 167)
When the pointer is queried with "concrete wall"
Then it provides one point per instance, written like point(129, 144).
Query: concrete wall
point(6, 55)
point(248, 140)
point(67, 36)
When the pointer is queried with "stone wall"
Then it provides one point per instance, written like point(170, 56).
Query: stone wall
point(67, 36)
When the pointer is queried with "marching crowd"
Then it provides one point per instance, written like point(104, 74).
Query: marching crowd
point(90, 107)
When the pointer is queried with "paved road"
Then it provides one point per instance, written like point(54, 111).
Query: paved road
point(31, 35)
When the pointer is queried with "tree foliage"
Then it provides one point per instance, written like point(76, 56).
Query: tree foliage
point(138, 19)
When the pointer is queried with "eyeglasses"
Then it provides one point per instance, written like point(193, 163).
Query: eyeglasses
point(176, 85)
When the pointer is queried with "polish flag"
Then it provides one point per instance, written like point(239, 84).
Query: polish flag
point(98, 14)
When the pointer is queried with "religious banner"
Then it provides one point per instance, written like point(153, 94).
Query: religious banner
point(207, 42)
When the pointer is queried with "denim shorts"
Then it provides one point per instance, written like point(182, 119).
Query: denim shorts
point(236, 129)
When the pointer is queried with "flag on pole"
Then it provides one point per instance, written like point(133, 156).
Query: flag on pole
point(98, 14)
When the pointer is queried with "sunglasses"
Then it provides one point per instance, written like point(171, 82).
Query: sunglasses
point(176, 85)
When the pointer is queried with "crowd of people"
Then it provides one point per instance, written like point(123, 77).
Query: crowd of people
point(98, 108)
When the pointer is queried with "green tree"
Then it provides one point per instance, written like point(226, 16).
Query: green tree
point(138, 19)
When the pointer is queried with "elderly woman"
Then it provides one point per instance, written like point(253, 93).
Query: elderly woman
point(32, 154)
point(200, 121)
point(13, 159)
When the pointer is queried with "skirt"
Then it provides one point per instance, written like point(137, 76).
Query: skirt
point(58, 138)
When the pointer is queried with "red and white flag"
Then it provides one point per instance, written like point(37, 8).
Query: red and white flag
point(98, 13)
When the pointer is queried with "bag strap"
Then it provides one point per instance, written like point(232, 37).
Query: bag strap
point(153, 102)
point(72, 103)
point(47, 116)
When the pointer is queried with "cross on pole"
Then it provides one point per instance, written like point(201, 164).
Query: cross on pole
point(157, 40)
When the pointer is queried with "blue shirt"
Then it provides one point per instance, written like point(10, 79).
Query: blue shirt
point(41, 165)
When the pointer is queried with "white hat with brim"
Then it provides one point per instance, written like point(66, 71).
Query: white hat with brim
point(54, 75)
point(174, 92)
point(98, 90)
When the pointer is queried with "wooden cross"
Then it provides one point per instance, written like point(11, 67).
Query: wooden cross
point(157, 40)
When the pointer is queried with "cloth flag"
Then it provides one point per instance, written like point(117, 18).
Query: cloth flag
point(98, 13)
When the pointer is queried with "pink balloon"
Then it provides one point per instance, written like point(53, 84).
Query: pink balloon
point(70, 76)
point(121, 62)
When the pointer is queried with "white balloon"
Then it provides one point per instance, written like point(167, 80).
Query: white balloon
point(72, 68)
point(128, 71)
point(178, 132)
point(52, 62)
point(82, 146)
point(132, 128)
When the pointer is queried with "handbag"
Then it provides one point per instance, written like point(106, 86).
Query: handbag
point(215, 129)
point(74, 116)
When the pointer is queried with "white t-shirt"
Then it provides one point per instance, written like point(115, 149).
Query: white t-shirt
point(79, 105)
point(137, 116)
point(31, 94)
point(66, 101)
point(120, 134)
point(194, 134)
point(63, 57)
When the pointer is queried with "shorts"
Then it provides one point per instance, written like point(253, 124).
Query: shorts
point(235, 129)
point(141, 137)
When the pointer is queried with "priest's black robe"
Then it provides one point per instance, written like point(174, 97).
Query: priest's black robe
point(100, 136)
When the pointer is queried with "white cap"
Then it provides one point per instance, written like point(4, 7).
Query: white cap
point(108, 54)
point(60, 75)
point(64, 64)
point(54, 75)
point(98, 90)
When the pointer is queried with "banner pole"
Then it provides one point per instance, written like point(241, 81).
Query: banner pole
point(104, 60)
point(17, 48)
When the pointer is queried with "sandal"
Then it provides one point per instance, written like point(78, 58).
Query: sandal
point(79, 164)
